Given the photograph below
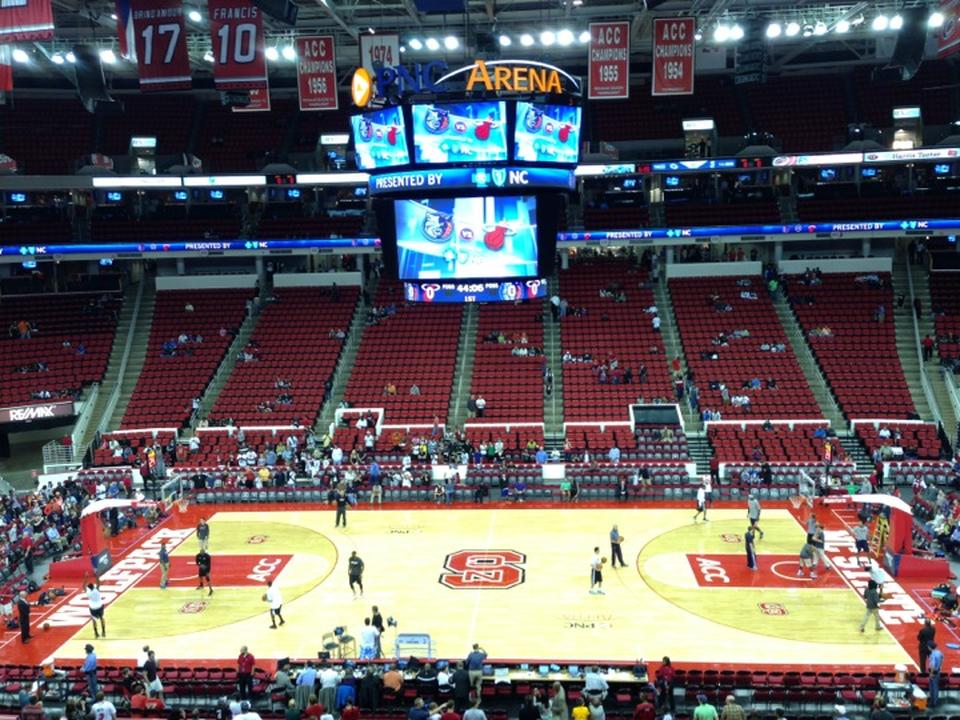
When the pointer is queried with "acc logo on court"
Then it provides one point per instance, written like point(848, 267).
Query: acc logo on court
point(257, 539)
point(731, 538)
point(772, 608)
point(193, 607)
point(483, 570)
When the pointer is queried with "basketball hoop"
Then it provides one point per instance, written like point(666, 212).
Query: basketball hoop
point(183, 503)
point(796, 500)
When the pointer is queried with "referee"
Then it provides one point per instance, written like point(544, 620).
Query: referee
point(355, 572)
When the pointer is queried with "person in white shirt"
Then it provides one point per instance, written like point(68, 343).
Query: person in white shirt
point(235, 707)
point(103, 709)
point(275, 599)
point(95, 600)
point(655, 323)
point(246, 713)
point(596, 573)
point(329, 678)
point(701, 503)
point(369, 636)
point(594, 684)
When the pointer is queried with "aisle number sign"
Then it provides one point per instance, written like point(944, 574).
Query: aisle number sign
point(609, 66)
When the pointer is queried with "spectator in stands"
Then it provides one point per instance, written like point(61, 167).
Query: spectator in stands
point(614, 455)
point(415, 390)
point(481, 404)
point(928, 345)
point(918, 308)
point(731, 710)
point(655, 323)
point(704, 710)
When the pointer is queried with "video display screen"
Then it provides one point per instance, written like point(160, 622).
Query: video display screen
point(475, 291)
point(380, 139)
point(460, 132)
point(466, 237)
point(547, 133)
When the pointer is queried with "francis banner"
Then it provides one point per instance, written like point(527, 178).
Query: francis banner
point(317, 72)
point(673, 56)
point(236, 30)
point(609, 70)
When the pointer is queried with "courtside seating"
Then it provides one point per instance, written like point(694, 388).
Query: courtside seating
point(742, 360)
point(511, 385)
point(932, 473)
point(55, 319)
point(609, 331)
point(945, 298)
point(167, 385)
point(914, 436)
point(309, 315)
point(415, 345)
point(644, 444)
point(859, 360)
point(788, 475)
point(738, 443)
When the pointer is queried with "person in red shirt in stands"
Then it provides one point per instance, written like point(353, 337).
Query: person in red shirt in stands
point(665, 697)
point(448, 713)
point(644, 709)
point(350, 712)
point(138, 703)
point(245, 663)
point(314, 710)
point(155, 702)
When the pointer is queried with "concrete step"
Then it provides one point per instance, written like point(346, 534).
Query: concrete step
point(463, 375)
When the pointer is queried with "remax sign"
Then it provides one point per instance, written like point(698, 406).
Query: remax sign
point(521, 77)
point(28, 413)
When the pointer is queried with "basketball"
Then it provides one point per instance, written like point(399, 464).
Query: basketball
point(46, 626)
point(603, 561)
point(264, 597)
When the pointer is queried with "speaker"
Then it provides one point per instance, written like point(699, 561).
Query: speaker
point(89, 79)
point(908, 52)
point(282, 10)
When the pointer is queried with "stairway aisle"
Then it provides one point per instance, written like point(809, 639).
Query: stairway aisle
point(674, 347)
point(906, 340)
point(553, 417)
point(463, 376)
point(138, 353)
point(857, 453)
point(808, 363)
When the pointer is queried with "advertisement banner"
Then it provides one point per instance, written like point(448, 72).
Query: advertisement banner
point(948, 34)
point(28, 413)
point(317, 72)
point(163, 62)
point(381, 50)
point(673, 56)
point(259, 101)
point(22, 20)
point(236, 30)
point(609, 70)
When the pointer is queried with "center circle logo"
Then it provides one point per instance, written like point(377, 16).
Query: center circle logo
point(257, 539)
point(483, 570)
point(193, 607)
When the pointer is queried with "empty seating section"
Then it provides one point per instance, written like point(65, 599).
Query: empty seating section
point(945, 298)
point(66, 129)
point(305, 227)
point(43, 363)
point(35, 232)
point(511, 384)
point(608, 331)
point(167, 117)
point(256, 392)
point(857, 354)
point(732, 339)
point(878, 208)
point(814, 122)
point(917, 440)
point(232, 141)
point(616, 218)
point(747, 212)
point(126, 448)
point(161, 230)
point(752, 443)
point(171, 379)
point(929, 89)
point(409, 345)
point(646, 443)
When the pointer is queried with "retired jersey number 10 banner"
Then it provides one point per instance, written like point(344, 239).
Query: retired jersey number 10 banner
point(236, 31)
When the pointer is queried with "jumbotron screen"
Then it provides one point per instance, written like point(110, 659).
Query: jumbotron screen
point(466, 237)
point(380, 139)
point(460, 132)
point(547, 133)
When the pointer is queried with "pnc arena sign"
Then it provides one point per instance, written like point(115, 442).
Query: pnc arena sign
point(491, 76)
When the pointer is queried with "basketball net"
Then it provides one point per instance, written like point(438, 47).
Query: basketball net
point(183, 502)
point(795, 500)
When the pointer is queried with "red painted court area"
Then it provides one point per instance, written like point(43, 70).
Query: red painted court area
point(773, 571)
point(231, 570)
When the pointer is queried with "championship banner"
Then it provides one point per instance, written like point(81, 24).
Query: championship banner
point(317, 72)
point(381, 50)
point(673, 56)
point(609, 70)
point(236, 30)
point(22, 20)
point(161, 44)
point(6, 70)
point(259, 101)
point(948, 34)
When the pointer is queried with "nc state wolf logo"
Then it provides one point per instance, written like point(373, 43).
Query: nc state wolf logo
point(483, 570)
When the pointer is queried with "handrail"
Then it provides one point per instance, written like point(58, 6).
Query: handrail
point(952, 392)
point(111, 406)
point(86, 416)
point(924, 381)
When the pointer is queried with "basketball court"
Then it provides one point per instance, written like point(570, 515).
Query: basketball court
point(513, 578)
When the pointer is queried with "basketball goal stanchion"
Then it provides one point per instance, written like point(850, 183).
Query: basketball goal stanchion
point(173, 496)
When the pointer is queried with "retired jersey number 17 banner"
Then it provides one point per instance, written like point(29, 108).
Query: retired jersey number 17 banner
point(236, 32)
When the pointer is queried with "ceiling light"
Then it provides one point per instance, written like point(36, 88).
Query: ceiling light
point(548, 38)
point(565, 37)
point(107, 56)
point(896, 22)
point(792, 29)
point(577, 3)
point(736, 33)
point(935, 20)
point(57, 59)
point(584, 36)
point(272, 54)
point(450, 42)
point(698, 35)
point(433, 44)
point(807, 30)
point(20, 56)
point(774, 30)
point(880, 23)
point(208, 56)
point(820, 28)
point(721, 33)
point(526, 40)
point(505, 41)
point(71, 58)
point(842, 27)
point(403, 48)
point(415, 44)
point(113, 16)
point(289, 53)
point(195, 16)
